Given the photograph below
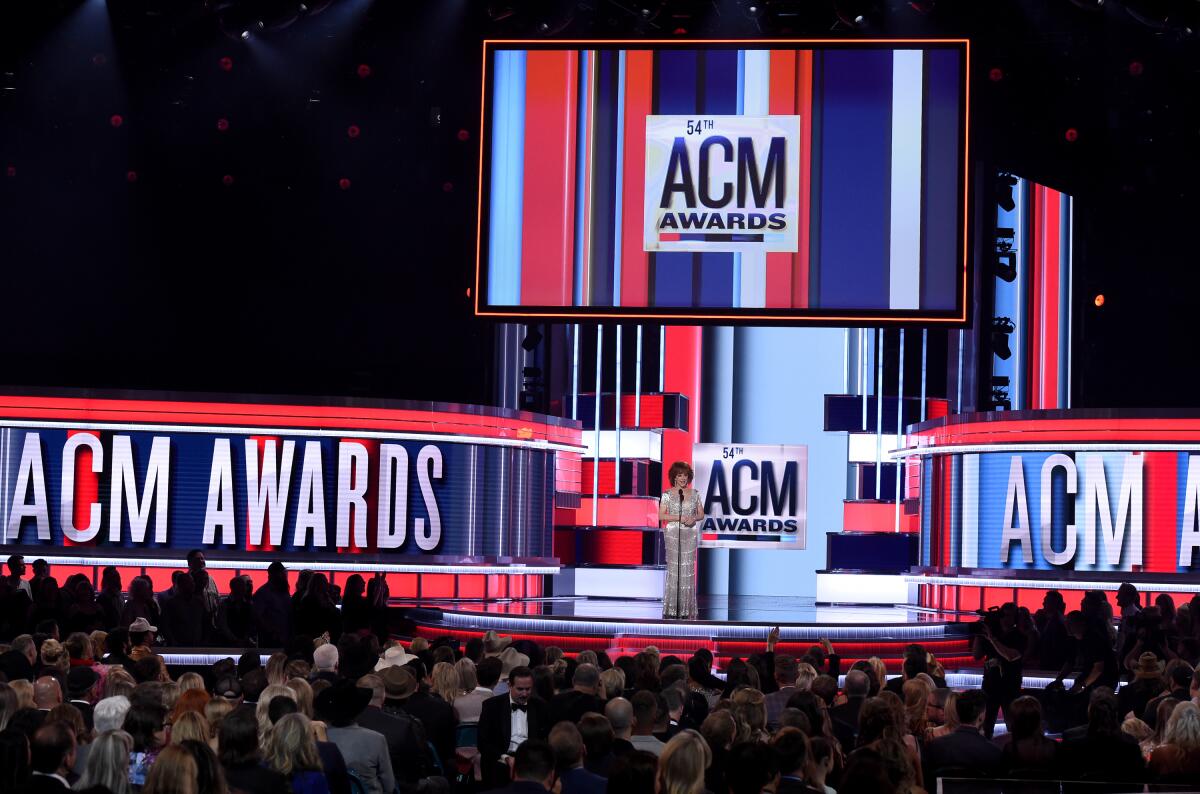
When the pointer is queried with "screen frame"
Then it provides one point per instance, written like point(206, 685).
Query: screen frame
point(959, 317)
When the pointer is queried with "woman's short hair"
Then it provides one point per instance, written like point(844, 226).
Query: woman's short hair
point(1183, 728)
point(466, 674)
point(677, 468)
point(72, 718)
point(53, 654)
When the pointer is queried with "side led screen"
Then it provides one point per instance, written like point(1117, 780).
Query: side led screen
point(781, 181)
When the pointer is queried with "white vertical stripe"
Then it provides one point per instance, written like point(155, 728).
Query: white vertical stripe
point(756, 101)
point(596, 426)
point(905, 251)
point(970, 511)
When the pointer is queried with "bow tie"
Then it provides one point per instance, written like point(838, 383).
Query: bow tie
point(519, 707)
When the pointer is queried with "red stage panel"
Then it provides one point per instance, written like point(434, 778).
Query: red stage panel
point(402, 585)
point(437, 585)
point(472, 586)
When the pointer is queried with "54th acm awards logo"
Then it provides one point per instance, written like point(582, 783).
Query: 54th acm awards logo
point(722, 183)
point(755, 495)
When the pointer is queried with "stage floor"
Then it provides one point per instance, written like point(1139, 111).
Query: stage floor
point(764, 610)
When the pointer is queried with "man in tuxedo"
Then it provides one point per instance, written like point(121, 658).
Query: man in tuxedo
point(571, 705)
point(533, 766)
point(507, 721)
point(966, 748)
point(52, 754)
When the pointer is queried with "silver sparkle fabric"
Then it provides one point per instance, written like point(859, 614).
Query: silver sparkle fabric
point(682, 542)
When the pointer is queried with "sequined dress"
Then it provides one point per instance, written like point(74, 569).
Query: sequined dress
point(682, 542)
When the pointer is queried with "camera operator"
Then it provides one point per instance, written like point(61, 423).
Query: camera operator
point(998, 642)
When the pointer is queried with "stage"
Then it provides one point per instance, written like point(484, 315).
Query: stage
point(728, 626)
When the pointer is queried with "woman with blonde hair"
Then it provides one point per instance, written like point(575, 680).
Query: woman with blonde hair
point(118, 682)
point(261, 711)
point(1178, 759)
point(24, 689)
point(950, 713)
point(190, 725)
point(304, 695)
point(98, 639)
point(277, 668)
point(466, 674)
point(805, 675)
point(292, 752)
point(446, 684)
point(189, 681)
point(173, 772)
point(880, 671)
point(55, 659)
point(107, 763)
point(916, 707)
point(215, 710)
point(682, 764)
point(613, 682)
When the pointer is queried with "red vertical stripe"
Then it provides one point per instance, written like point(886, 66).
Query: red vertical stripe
point(1051, 229)
point(782, 102)
point(1161, 479)
point(1034, 334)
point(548, 222)
point(800, 263)
point(639, 91)
point(682, 375)
point(87, 490)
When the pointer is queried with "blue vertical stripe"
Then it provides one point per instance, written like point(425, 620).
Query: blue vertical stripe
point(856, 146)
point(676, 73)
point(507, 179)
point(941, 212)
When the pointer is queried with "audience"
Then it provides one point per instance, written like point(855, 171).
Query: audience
point(338, 703)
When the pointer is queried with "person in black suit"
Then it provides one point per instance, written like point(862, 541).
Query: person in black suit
point(845, 715)
point(791, 750)
point(1105, 752)
point(966, 748)
point(569, 752)
point(52, 755)
point(507, 721)
point(533, 765)
point(571, 705)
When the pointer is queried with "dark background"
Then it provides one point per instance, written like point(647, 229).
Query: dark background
point(283, 282)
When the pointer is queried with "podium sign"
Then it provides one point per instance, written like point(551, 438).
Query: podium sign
point(755, 495)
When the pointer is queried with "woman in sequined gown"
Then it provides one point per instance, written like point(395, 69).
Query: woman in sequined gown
point(680, 508)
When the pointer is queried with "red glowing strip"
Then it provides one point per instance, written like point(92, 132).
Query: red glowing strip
point(639, 92)
point(87, 490)
point(1161, 473)
point(875, 517)
point(1051, 229)
point(1034, 336)
point(683, 367)
point(781, 101)
point(548, 208)
point(627, 511)
point(253, 415)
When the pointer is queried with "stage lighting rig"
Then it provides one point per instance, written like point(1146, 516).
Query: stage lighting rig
point(1004, 258)
point(1002, 328)
point(1005, 185)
